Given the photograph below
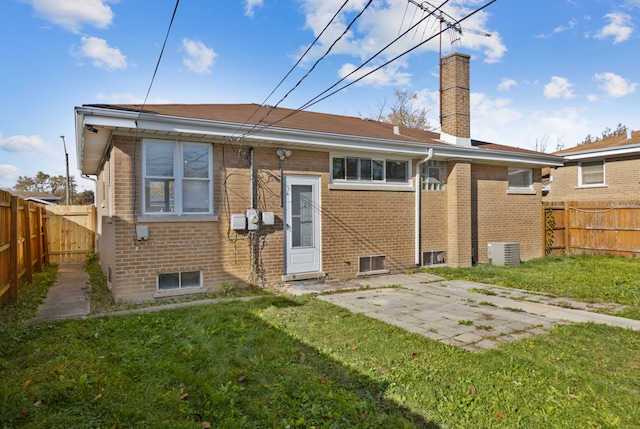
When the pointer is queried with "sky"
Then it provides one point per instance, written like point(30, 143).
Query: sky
point(544, 74)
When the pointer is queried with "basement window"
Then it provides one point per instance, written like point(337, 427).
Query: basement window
point(180, 280)
point(371, 265)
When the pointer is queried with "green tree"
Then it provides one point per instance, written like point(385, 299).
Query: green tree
point(42, 182)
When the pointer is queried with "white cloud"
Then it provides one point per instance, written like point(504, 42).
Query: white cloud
point(26, 144)
point(614, 85)
point(8, 175)
point(102, 56)
point(556, 124)
point(592, 97)
point(74, 14)
point(507, 84)
point(494, 111)
point(559, 87)
point(373, 31)
point(619, 27)
point(200, 58)
point(250, 6)
point(386, 76)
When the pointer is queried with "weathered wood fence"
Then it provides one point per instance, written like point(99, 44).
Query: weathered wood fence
point(597, 227)
point(32, 235)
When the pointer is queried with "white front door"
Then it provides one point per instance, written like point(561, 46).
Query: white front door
point(302, 226)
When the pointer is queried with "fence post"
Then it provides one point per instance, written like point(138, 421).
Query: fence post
point(38, 228)
point(13, 252)
point(26, 230)
point(567, 229)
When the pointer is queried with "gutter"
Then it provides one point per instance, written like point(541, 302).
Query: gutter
point(417, 208)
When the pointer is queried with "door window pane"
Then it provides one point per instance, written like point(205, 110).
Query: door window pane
point(302, 216)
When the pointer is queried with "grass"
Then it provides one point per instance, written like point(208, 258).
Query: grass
point(593, 279)
point(276, 362)
point(302, 363)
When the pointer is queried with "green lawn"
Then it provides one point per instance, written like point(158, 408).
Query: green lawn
point(277, 362)
point(600, 279)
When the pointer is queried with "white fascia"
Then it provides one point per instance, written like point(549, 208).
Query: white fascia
point(626, 150)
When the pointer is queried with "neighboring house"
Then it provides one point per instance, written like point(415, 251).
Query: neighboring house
point(606, 170)
point(38, 197)
point(194, 197)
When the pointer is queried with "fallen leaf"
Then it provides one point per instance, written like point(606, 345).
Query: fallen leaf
point(500, 414)
point(206, 425)
point(354, 347)
point(322, 381)
point(25, 413)
point(185, 396)
point(242, 378)
point(363, 416)
point(472, 390)
point(302, 357)
point(98, 396)
point(26, 384)
point(38, 403)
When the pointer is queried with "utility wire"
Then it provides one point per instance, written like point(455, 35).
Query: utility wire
point(316, 99)
point(293, 68)
point(346, 30)
point(166, 37)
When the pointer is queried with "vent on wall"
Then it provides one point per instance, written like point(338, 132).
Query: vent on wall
point(504, 253)
point(372, 265)
point(433, 257)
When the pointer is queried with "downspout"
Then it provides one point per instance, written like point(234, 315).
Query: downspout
point(418, 193)
point(255, 239)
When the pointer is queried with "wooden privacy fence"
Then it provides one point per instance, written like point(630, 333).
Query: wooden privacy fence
point(596, 227)
point(32, 234)
point(70, 232)
point(22, 244)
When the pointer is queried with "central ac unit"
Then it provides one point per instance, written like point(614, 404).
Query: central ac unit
point(504, 253)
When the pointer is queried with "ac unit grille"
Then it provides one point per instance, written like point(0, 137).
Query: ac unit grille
point(504, 253)
point(433, 257)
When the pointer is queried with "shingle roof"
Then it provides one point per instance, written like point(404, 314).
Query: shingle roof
point(608, 143)
point(254, 114)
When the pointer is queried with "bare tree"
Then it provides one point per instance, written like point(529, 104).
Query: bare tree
point(403, 112)
point(608, 132)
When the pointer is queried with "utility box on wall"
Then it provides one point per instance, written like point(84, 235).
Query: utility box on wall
point(504, 253)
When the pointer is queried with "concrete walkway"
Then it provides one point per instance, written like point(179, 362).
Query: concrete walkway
point(470, 315)
point(68, 298)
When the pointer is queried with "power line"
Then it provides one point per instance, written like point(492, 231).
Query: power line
point(316, 99)
point(346, 30)
point(294, 66)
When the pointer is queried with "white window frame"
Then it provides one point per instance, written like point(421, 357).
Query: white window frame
point(178, 179)
point(581, 183)
point(528, 189)
point(359, 183)
point(432, 165)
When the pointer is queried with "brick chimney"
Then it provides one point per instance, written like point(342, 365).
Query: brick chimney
point(455, 105)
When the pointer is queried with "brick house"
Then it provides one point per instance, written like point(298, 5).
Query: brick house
point(606, 170)
point(193, 197)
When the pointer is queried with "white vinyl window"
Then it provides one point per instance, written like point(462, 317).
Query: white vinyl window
point(178, 177)
point(520, 179)
point(591, 173)
point(363, 170)
point(433, 176)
